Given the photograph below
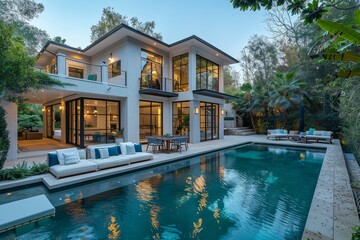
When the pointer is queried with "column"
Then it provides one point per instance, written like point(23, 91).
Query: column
point(61, 64)
point(104, 72)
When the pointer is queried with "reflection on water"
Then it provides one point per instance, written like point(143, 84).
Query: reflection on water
point(253, 192)
point(114, 228)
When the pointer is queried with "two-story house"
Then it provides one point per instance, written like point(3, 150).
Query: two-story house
point(127, 79)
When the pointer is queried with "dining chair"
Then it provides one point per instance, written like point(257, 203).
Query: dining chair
point(154, 142)
point(179, 142)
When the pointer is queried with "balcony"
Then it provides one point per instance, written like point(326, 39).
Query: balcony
point(80, 70)
point(160, 86)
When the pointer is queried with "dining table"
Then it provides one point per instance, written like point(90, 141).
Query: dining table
point(167, 140)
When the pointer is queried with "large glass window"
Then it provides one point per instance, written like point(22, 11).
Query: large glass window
point(181, 73)
point(92, 121)
point(181, 118)
point(151, 70)
point(207, 74)
point(114, 69)
point(150, 119)
point(209, 121)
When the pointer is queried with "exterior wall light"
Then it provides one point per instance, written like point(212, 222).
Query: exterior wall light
point(222, 111)
point(196, 110)
point(110, 57)
point(60, 107)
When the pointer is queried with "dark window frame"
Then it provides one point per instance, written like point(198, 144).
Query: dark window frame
point(199, 75)
point(111, 72)
point(176, 88)
point(174, 129)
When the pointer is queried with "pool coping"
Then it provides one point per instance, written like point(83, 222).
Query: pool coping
point(332, 212)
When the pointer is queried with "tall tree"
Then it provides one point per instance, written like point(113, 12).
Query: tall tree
point(259, 60)
point(19, 13)
point(285, 91)
point(59, 39)
point(110, 19)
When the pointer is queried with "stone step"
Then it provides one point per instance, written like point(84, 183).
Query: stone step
point(241, 131)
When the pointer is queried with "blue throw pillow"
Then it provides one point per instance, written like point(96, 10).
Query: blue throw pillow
point(282, 131)
point(118, 149)
point(53, 159)
point(311, 131)
point(97, 154)
point(113, 151)
point(138, 147)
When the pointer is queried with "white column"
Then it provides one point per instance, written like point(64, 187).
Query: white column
point(221, 121)
point(221, 79)
point(192, 69)
point(61, 64)
point(11, 117)
point(194, 122)
point(104, 72)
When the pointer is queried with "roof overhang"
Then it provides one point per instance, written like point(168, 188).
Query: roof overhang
point(214, 94)
point(122, 31)
point(157, 92)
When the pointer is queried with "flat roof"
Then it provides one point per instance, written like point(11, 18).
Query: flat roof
point(123, 30)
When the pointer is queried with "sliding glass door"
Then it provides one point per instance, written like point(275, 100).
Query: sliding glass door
point(209, 121)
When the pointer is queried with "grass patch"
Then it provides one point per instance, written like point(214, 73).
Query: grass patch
point(22, 170)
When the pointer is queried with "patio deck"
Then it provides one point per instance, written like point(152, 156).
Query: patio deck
point(332, 213)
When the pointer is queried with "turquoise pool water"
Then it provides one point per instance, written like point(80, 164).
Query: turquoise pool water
point(249, 192)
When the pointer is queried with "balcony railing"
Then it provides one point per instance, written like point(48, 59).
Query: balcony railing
point(74, 68)
point(160, 83)
point(83, 70)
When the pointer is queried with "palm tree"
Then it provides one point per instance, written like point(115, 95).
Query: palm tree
point(285, 91)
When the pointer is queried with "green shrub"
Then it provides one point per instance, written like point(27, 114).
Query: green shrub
point(22, 171)
point(356, 233)
point(4, 138)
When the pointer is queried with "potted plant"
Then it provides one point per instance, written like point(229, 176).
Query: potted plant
point(119, 136)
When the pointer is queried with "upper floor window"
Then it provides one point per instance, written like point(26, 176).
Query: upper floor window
point(207, 74)
point(151, 70)
point(181, 73)
point(114, 69)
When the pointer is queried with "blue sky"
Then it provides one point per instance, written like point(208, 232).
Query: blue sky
point(213, 20)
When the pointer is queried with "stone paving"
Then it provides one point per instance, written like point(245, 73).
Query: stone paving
point(332, 213)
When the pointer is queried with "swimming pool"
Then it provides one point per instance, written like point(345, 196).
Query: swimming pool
point(249, 192)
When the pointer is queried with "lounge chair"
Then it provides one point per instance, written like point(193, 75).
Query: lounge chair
point(277, 134)
point(326, 136)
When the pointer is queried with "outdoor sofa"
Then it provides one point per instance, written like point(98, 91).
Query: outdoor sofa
point(71, 161)
point(326, 136)
point(277, 134)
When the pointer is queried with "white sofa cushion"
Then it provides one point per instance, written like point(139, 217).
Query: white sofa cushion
point(71, 158)
point(91, 149)
point(83, 166)
point(112, 161)
point(130, 149)
point(60, 155)
point(104, 153)
point(123, 147)
point(140, 156)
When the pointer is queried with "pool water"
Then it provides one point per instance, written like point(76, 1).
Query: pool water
point(249, 192)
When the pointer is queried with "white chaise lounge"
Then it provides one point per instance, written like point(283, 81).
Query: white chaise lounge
point(61, 168)
point(70, 161)
point(118, 154)
point(277, 134)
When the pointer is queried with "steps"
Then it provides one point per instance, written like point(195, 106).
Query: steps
point(239, 131)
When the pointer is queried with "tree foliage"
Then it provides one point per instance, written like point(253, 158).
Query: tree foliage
point(4, 138)
point(17, 71)
point(309, 10)
point(110, 19)
point(259, 60)
point(19, 13)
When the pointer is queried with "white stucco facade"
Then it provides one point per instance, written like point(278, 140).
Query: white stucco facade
point(126, 45)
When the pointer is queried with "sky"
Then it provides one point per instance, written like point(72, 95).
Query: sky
point(215, 21)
